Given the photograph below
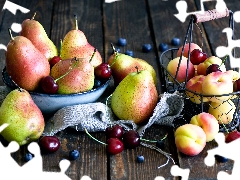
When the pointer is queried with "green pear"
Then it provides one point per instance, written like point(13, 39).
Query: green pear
point(35, 32)
point(24, 118)
point(121, 65)
point(75, 44)
point(74, 75)
point(135, 97)
point(25, 63)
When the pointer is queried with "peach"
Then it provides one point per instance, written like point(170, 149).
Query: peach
point(186, 49)
point(217, 85)
point(172, 68)
point(223, 112)
point(195, 84)
point(208, 123)
point(190, 139)
point(202, 67)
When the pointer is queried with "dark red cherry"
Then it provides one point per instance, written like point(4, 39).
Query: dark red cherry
point(131, 139)
point(54, 60)
point(213, 68)
point(236, 85)
point(49, 144)
point(48, 85)
point(103, 71)
point(115, 131)
point(114, 146)
point(197, 56)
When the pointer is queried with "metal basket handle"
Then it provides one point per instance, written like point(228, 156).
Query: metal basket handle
point(210, 15)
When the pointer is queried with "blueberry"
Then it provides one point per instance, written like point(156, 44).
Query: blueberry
point(175, 42)
point(117, 49)
point(74, 154)
point(28, 157)
point(97, 83)
point(221, 159)
point(160, 144)
point(140, 158)
point(146, 48)
point(129, 53)
point(122, 42)
point(163, 47)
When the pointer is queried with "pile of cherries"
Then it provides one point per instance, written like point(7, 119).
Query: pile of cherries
point(117, 139)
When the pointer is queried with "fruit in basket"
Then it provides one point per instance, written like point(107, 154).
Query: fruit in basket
point(25, 64)
point(48, 85)
point(223, 112)
point(135, 97)
point(234, 74)
point(208, 123)
point(75, 44)
point(186, 49)
point(217, 83)
point(195, 84)
point(79, 75)
point(213, 68)
point(232, 136)
point(122, 64)
point(26, 122)
point(54, 60)
point(35, 32)
point(182, 74)
point(236, 85)
point(202, 67)
point(197, 56)
point(190, 139)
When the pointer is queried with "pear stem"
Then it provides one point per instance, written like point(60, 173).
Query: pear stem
point(70, 69)
point(93, 55)
point(33, 16)
point(137, 69)
point(76, 23)
point(115, 52)
point(10, 33)
point(94, 137)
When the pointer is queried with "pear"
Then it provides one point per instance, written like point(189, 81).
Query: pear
point(135, 97)
point(35, 32)
point(74, 75)
point(25, 63)
point(121, 65)
point(24, 118)
point(75, 44)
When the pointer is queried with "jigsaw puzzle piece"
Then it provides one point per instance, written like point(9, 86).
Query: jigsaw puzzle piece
point(236, 16)
point(159, 178)
point(12, 7)
point(177, 171)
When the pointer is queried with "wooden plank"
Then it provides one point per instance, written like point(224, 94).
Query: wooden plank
point(124, 19)
point(133, 25)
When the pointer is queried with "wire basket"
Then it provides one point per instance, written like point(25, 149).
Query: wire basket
point(225, 106)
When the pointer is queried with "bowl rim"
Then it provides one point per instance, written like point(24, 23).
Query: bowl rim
point(56, 95)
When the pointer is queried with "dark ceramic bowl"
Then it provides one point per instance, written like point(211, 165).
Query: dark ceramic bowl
point(50, 103)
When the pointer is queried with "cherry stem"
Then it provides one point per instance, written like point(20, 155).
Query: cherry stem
point(154, 141)
point(76, 23)
point(94, 137)
point(70, 69)
point(93, 55)
point(33, 16)
point(223, 61)
point(10, 33)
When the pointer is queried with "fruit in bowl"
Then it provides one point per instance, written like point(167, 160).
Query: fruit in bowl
point(50, 103)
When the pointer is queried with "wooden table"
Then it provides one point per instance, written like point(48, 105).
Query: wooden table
point(139, 21)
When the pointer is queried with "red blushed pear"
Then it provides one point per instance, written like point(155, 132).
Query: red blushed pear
point(75, 44)
point(25, 63)
point(79, 79)
point(122, 64)
point(35, 32)
point(24, 118)
point(135, 97)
